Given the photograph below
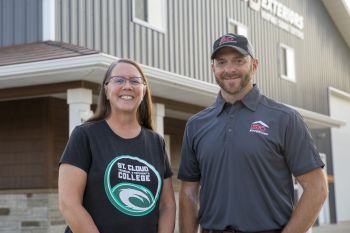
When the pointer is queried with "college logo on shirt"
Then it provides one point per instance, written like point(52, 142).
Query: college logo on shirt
point(259, 127)
point(132, 190)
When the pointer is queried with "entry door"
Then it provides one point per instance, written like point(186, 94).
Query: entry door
point(339, 107)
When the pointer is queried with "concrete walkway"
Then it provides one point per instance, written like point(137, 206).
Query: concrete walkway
point(340, 227)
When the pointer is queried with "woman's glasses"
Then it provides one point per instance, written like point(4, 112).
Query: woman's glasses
point(121, 81)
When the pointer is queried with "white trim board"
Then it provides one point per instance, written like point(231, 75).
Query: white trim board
point(162, 83)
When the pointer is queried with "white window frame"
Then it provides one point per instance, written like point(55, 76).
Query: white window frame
point(49, 24)
point(290, 62)
point(241, 28)
point(159, 25)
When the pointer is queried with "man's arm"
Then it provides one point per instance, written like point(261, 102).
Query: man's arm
point(315, 193)
point(189, 207)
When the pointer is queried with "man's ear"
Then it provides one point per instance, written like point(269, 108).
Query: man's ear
point(255, 63)
point(212, 65)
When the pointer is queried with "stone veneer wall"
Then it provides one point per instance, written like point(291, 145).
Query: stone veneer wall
point(30, 211)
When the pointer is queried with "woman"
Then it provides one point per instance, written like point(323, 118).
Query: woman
point(114, 175)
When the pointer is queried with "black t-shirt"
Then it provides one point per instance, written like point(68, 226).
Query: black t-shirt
point(124, 176)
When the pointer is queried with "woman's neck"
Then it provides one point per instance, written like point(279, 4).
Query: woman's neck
point(124, 125)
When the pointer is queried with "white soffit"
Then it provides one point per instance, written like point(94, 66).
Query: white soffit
point(339, 93)
point(316, 120)
point(162, 83)
point(180, 88)
point(92, 68)
point(339, 10)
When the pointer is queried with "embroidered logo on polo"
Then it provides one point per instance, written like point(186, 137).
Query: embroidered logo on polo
point(132, 185)
point(259, 127)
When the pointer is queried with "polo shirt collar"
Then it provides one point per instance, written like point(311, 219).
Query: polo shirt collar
point(250, 101)
point(219, 104)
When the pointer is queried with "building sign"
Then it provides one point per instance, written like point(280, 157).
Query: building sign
point(279, 15)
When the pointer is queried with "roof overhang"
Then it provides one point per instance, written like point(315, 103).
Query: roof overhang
point(93, 67)
point(162, 83)
point(316, 120)
point(339, 11)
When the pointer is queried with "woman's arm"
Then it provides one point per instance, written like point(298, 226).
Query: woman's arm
point(71, 186)
point(167, 208)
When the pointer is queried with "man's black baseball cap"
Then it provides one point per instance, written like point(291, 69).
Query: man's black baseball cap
point(235, 41)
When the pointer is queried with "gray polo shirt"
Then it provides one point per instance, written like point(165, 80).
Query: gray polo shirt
point(244, 155)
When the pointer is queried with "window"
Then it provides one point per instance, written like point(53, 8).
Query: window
point(237, 28)
point(287, 63)
point(141, 10)
point(150, 13)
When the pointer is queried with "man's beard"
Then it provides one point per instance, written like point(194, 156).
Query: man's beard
point(244, 81)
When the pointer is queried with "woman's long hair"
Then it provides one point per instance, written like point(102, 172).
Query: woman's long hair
point(144, 111)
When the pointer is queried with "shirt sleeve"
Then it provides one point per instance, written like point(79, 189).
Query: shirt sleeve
point(77, 151)
point(189, 167)
point(300, 150)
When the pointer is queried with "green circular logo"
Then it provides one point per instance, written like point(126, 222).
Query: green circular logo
point(130, 198)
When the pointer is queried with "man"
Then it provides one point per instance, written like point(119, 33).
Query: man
point(240, 154)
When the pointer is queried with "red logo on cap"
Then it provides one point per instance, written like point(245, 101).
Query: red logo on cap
point(226, 39)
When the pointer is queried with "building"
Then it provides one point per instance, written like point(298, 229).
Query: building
point(53, 55)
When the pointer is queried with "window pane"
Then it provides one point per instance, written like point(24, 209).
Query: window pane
point(284, 61)
point(291, 64)
point(150, 13)
point(141, 9)
point(232, 28)
point(237, 28)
